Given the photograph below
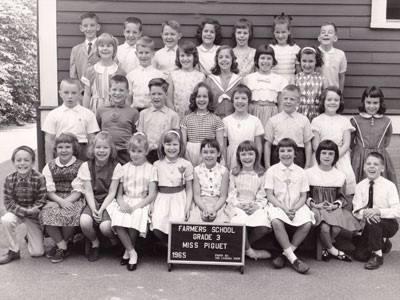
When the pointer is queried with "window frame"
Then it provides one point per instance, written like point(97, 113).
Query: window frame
point(378, 16)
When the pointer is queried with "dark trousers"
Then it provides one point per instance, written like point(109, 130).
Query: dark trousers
point(373, 234)
point(123, 156)
point(152, 156)
point(299, 157)
point(82, 153)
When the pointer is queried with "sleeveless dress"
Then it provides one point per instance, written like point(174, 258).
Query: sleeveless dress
point(372, 133)
point(63, 186)
point(325, 186)
point(245, 60)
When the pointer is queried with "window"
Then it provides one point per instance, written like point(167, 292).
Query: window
point(385, 14)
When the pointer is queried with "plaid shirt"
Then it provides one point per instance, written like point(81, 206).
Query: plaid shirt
point(21, 193)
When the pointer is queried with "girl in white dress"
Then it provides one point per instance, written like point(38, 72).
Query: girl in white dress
point(241, 126)
point(182, 81)
point(330, 125)
point(210, 185)
point(137, 189)
point(246, 200)
point(242, 35)
point(174, 177)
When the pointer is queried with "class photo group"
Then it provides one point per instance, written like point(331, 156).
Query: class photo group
point(206, 133)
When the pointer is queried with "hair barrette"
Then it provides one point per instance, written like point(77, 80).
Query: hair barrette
point(139, 133)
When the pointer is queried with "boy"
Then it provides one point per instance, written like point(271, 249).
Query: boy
point(156, 119)
point(375, 203)
point(24, 196)
point(286, 185)
point(164, 59)
point(288, 124)
point(335, 63)
point(84, 54)
point(126, 54)
point(69, 117)
point(119, 119)
point(140, 77)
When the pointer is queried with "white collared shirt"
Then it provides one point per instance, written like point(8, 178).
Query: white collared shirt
point(164, 59)
point(126, 56)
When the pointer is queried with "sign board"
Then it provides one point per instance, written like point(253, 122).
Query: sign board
point(206, 243)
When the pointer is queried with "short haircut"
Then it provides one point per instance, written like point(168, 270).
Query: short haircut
point(373, 92)
point(282, 19)
point(73, 81)
point(217, 27)
point(89, 15)
point(286, 143)
point(267, 50)
point(102, 136)
point(242, 23)
point(211, 143)
point(244, 147)
point(216, 70)
point(189, 48)
point(133, 20)
point(292, 88)
point(146, 42)
point(118, 78)
point(23, 148)
point(138, 140)
point(327, 145)
point(311, 50)
point(159, 82)
point(376, 155)
point(324, 93)
point(167, 137)
point(193, 96)
point(106, 38)
point(330, 24)
point(173, 24)
point(242, 88)
point(68, 138)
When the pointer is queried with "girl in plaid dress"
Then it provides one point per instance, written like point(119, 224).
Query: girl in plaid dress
point(61, 214)
point(129, 211)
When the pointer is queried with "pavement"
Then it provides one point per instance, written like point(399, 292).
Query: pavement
point(76, 278)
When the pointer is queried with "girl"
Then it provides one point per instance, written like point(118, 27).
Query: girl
point(201, 123)
point(209, 37)
point(327, 201)
point(24, 196)
point(96, 78)
point(309, 81)
point(242, 35)
point(265, 85)
point(61, 214)
point(183, 81)
point(246, 199)
point(174, 177)
point(210, 185)
point(285, 48)
point(287, 186)
point(332, 126)
point(373, 133)
point(100, 177)
point(129, 212)
point(223, 80)
point(241, 126)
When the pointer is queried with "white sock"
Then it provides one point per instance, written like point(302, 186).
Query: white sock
point(290, 254)
point(333, 251)
point(62, 245)
point(96, 243)
point(126, 255)
point(379, 253)
point(293, 248)
point(132, 256)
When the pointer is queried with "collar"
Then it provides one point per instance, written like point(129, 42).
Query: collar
point(286, 115)
point(59, 164)
point(103, 69)
point(203, 165)
point(173, 49)
point(368, 116)
point(65, 108)
point(24, 177)
point(126, 45)
point(168, 161)
point(92, 41)
point(324, 51)
point(204, 49)
point(163, 109)
point(202, 114)
point(282, 167)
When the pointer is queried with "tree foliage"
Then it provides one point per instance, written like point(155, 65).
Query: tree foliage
point(18, 59)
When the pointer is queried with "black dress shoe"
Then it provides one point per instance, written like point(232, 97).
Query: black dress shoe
point(124, 261)
point(374, 262)
point(387, 246)
point(279, 261)
point(131, 267)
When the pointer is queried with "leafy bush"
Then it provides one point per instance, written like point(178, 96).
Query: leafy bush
point(18, 57)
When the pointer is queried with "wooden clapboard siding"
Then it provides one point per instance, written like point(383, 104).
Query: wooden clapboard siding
point(373, 54)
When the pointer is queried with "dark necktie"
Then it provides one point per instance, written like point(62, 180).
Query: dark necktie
point(371, 194)
point(89, 48)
